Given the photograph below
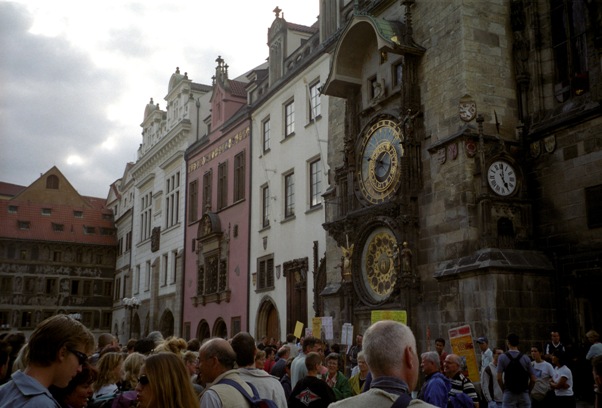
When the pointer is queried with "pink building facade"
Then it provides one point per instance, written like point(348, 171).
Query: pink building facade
point(216, 273)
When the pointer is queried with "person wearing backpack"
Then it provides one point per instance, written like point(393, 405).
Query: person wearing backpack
point(515, 375)
point(390, 351)
point(216, 363)
point(267, 386)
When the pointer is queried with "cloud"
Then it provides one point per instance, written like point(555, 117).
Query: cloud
point(53, 107)
point(76, 76)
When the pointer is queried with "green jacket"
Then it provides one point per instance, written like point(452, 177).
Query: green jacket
point(342, 388)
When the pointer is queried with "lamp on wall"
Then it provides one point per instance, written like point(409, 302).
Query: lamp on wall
point(131, 304)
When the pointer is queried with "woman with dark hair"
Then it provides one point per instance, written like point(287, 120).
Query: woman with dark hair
point(164, 383)
point(79, 391)
point(562, 383)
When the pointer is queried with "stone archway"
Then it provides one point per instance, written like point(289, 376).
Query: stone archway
point(220, 329)
point(166, 325)
point(268, 320)
point(203, 331)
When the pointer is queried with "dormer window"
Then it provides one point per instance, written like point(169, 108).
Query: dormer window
point(52, 182)
point(46, 211)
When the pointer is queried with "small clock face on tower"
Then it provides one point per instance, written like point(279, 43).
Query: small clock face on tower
point(502, 178)
point(379, 169)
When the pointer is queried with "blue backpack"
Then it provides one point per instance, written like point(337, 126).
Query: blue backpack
point(255, 400)
point(459, 400)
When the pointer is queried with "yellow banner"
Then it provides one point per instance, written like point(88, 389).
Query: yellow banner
point(316, 327)
point(298, 330)
point(462, 344)
point(396, 315)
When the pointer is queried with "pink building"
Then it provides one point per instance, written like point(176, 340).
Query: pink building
point(217, 216)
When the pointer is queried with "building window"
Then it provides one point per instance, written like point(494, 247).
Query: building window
point(265, 273)
point(239, 176)
point(397, 73)
point(12, 209)
point(51, 286)
point(235, 325)
point(78, 214)
point(315, 182)
point(23, 225)
point(289, 119)
point(314, 101)
point(593, 203)
point(137, 279)
point(172, 200)
point(289, 195)
point(165, 269)
point(89, 230)
point(193, 196)
point(52, 182)
point(107, 289)
point(128, 241)
point(46, 211)
point(265, 133)
point(57, 256)
point(372, 84)
point(207, 187)
point(569, 42)
point(74, 287)
point(222, 185)
point(58, 227)
point(265, 206)
point(146, 214)
point(147, 275)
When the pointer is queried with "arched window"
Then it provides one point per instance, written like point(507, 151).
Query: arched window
point(52, 182)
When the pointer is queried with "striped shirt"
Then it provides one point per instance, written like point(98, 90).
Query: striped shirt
point(461, 384)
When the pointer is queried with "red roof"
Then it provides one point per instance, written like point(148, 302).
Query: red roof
point(50, 209)
point(21, 220)
point(238, 88)
point(10, 190)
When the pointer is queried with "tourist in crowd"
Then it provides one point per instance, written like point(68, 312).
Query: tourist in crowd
point(260, 359)
point(270, 359)
point(165, 383)
point(79, 391)
point(542, 395)
point(310, 391)
point(390, 351)
point(335, 379)
point(436, 386)
point(267, 386)
point(131, 368)
point(285, 380)
point(596, 347)
point(597, 372)
point(562, 383)
point(357, 381)
point(56, 351)
point(110, 373)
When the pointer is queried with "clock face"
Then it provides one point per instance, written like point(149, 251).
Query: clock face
point(378, 264)
point(379, 173)
point(502, 178)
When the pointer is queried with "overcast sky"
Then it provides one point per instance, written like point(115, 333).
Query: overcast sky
point(75, 76)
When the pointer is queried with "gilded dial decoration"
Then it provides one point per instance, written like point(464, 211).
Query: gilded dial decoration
point(378, 264)
point(502, 178)
point(379, 173)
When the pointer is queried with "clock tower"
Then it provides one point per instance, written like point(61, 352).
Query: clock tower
point(372, 205)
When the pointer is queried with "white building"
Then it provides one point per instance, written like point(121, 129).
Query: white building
point(289, 175)
point(157, 229)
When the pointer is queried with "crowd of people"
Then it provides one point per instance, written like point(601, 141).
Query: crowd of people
point(61, 365)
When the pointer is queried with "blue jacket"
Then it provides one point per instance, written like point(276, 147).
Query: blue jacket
point(435, 390)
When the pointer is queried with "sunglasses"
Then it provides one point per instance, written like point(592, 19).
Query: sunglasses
point(143, 380)
point(81, 357)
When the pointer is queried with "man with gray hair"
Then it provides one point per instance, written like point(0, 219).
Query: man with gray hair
point(436, 386)
point(390, 351)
